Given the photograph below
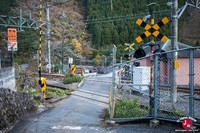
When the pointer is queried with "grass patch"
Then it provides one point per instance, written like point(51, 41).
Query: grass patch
point(176, 113)
point(70, 78)
point(57, 91)
point(128, 109)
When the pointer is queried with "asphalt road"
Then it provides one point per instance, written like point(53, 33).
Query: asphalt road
point(82, 112)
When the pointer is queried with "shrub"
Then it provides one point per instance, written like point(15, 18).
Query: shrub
point(59, 92)
point(128, 109)
point(57, 67)
point(70, 78)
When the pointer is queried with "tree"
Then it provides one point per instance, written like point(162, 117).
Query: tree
point(97, 60)
point(77, 45)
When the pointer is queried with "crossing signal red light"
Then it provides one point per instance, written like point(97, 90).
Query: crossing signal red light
point(162, 57)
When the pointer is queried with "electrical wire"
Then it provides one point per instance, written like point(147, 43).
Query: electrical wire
point(130, 17)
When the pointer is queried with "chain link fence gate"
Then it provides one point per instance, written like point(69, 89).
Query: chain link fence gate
point(143, 88)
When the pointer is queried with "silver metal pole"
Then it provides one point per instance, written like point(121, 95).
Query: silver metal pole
point(30, 15)
point(174, 44)
point(155, 86)
point(63, 30)
point(48, 38)
point(113, 83)
point(191, 68)
point(20, 20)
point(111, 5)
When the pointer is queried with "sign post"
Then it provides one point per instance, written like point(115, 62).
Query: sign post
point(12, 41)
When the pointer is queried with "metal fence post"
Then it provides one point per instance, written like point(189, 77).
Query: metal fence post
point(155, 85)
point(0, 59)
point(191, 74)
point(120, 67)
point(113, 83)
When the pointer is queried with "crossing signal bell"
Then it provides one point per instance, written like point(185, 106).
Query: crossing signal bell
point(139, 53)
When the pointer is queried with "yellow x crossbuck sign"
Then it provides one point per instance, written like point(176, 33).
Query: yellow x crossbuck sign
point(130, 46)
point(152, 30)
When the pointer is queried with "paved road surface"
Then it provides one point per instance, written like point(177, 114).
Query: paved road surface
point(81, 112)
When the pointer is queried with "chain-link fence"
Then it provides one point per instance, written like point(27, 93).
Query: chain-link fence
point(163, 86)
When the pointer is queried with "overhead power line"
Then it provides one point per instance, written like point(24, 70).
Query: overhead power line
point(116, 18)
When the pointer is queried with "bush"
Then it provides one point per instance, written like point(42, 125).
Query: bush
point(70, 78)
point(128, 109)
point(57, 67)
point(59, 92)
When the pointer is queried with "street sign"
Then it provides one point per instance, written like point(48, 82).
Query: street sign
point(12, 35)
point(12, 46)
point(152, 30)
point(48, 65)
point(70, 60)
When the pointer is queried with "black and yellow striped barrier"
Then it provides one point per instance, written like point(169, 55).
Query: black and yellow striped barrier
point(131, 91)
point(152, 30)
point(126, 82)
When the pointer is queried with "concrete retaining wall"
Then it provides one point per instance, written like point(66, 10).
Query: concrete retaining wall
point(7, 78)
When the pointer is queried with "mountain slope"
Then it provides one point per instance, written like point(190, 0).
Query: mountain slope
point(190, 32)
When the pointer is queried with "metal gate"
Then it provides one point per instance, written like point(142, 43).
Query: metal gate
point(161, 87)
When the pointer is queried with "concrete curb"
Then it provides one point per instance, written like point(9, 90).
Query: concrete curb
point(81, 83)
point(57, 99)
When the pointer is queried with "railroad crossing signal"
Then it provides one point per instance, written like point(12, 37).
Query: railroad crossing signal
point(152, 30)
point(130, 47)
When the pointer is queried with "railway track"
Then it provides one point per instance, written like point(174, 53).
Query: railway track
point(183, 89)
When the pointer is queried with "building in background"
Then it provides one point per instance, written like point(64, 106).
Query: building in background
point(182, 71)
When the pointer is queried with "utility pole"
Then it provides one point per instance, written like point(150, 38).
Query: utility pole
point(48, 39)
point(20, 20)
point(63, 31)
point(111, 5)
point(30, 17)
point(174, 44)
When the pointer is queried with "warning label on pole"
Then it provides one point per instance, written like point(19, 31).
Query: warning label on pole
point(12, 46)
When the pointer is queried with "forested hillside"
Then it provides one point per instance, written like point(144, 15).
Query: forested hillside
point(95, 24)
point(118, 25)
